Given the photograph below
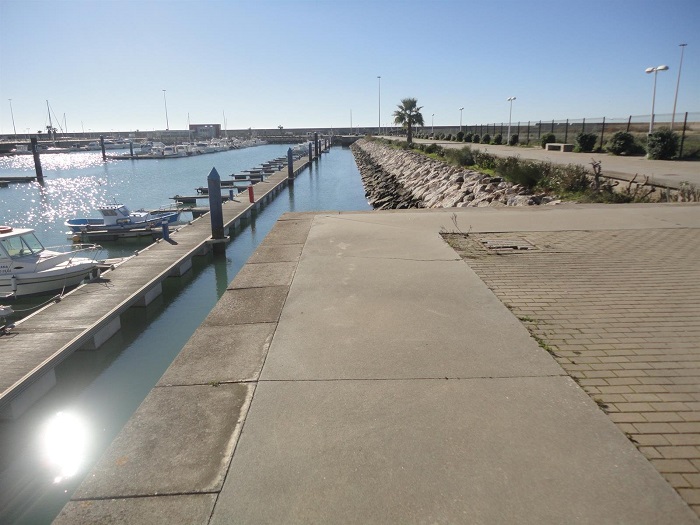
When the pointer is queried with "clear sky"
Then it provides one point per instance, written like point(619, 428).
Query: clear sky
point(299, 63)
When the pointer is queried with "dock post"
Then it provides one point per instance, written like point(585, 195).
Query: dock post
point(310, 154)
point(316, 152)
point(290, 165)
point(131, 149)
point(216, 212)
point(166, 230)
point(230, 194)
point(37, 161)
point(251, 195)
point(102, 147)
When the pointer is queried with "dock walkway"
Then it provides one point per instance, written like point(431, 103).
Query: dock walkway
point(89, 315)
point(358, 369)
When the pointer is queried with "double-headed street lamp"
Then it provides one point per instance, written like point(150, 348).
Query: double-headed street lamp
point(653, 95)
point(460, 119)
point(510, 114)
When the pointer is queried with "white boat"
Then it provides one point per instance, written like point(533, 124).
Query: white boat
point(28, 268)
point(118, 218)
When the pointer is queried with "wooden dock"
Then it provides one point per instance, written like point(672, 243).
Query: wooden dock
point(89, 315)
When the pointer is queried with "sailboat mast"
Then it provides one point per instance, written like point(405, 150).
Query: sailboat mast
point(52, 135)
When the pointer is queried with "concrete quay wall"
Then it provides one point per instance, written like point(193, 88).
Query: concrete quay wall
point(398, 179)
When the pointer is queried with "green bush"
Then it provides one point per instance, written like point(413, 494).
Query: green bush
point(514, 139)
point(468, 137)
point(525, 173)
point(585, 142)
point(460, 136)
point(461, 157)
point(547, 138)
point(621, 143)
point(476, 139)
point(433, 148)
point(484, 160)
point(449, 136)
point(486, 139)
point(662, 144)
point(572, 178)
point(498, 139)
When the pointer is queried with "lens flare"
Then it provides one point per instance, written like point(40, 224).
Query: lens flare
point(64, 445)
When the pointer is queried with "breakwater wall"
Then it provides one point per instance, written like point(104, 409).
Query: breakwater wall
point(398, 179)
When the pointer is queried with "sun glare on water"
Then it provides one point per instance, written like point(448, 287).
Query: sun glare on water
point(64, 443)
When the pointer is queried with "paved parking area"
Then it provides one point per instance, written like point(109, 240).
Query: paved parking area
point(620, 312)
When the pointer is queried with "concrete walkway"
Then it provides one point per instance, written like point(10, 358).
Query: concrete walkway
point(668, 173)
point(359, 371)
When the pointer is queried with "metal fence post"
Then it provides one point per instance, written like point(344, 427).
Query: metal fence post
point(685, 122)
point(566, 131)
point(629, 121)
point(602, 133)
point(528, 133)
point(539, 130)
point(583, 126)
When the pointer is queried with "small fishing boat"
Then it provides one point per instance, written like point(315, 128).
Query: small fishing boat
point(28, 268)
point(118, 218)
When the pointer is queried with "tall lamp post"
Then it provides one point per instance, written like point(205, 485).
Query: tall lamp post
point(432, 126)
point(678, 82)
point(460, 119)
point(167, 124)
point(653, 95)
point(510, 115)
point(13, 118)
point(379, 129)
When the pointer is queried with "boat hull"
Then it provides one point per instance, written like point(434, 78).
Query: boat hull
point(43, 283)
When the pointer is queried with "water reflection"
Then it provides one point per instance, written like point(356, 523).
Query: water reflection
point(64, 442)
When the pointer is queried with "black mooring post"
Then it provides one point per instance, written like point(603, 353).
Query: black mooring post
point(131, 149)
point(37, 161)
point(216, 212)
point(316, 152)
point(310, 152)
point(102, 147)
point(290, 165)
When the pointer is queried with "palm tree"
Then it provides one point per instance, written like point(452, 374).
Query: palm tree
point(409, 115)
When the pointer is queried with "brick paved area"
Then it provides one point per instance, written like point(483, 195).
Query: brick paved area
point(620, 312)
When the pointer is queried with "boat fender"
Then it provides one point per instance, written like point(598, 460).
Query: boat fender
point(5, 229)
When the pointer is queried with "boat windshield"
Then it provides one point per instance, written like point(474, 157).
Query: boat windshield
point(22, 245)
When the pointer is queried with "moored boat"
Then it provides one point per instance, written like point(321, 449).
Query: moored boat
point(28, 268)
point(117, 217)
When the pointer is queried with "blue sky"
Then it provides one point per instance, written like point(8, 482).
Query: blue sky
point(104, 63)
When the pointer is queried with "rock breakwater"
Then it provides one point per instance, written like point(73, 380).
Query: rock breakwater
point(396, 179)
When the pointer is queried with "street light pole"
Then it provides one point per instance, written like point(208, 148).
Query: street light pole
point(432, 126)
point(379, 129)
point(510, 115)
point(678, 82)
point(460, 119)
point(13, 118)
point(653, 95)
point(167, 124)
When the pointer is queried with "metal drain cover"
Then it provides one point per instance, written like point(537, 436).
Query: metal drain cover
point(507, 244)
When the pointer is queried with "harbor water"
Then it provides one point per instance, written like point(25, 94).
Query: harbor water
point(45, 454)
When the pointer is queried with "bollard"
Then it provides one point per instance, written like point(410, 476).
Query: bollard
point(290, 164)
point(310, 155)
point(166, 230)
point(37, 161)
point(216, 213)
point(230, 195)
point(102, 147)
point(251, 195)
point(316, 152)
point(131, 149)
